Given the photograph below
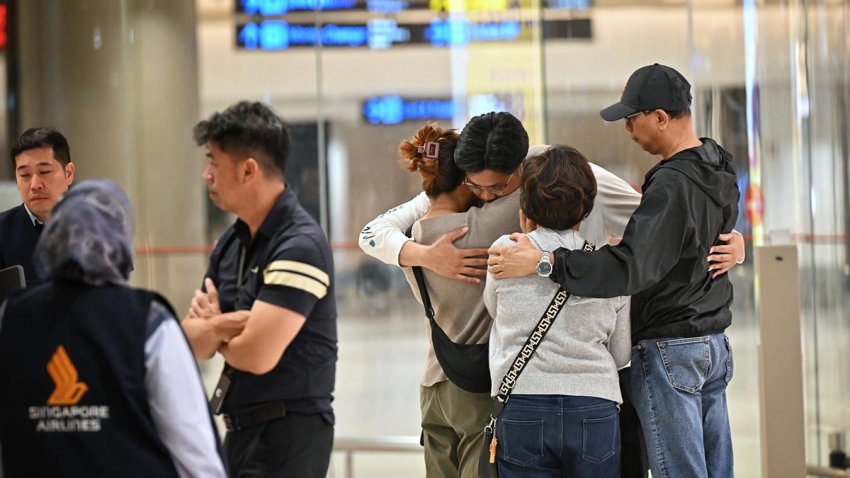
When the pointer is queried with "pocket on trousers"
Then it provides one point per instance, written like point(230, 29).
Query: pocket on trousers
point(686, 361)
point(599, 442)
point(523, 441)
point(730, 362)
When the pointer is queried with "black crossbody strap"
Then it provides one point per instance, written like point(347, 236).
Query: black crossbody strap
point(423, 293)
point(531, 344)
point(423, 290)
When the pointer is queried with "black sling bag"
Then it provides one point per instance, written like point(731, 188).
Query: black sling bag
point(466, 365)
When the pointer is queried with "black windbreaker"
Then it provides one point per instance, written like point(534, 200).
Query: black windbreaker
point(688, 200)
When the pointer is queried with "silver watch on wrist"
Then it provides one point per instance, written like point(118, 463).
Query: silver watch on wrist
point(544, 267)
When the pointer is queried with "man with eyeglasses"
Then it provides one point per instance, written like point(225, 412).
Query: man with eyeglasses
point(497, 190)
point(681, 356)
point(490, 151)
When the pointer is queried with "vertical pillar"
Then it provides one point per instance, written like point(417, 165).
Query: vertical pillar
point(783, 439)
point(120, 79)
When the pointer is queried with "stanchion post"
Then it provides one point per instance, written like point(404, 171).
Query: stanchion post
point(783, 439)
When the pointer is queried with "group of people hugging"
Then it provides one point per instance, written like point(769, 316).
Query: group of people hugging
point(499, 248)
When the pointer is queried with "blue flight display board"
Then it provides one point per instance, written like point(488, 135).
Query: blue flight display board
point(278, 8)
point(276, 35)
point(395, 109)
point(264, 25)
point(382, 33)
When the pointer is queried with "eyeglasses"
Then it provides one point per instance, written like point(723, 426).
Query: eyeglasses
point(632, 116)
point(496, 189)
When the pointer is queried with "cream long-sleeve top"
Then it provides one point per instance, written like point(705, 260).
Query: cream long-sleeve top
point(616, 200)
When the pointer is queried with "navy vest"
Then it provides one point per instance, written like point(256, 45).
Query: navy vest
point(72, 369)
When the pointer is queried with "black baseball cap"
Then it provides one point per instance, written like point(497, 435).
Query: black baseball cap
point(650, 88)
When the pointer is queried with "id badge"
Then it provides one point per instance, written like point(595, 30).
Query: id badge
point(220, 393)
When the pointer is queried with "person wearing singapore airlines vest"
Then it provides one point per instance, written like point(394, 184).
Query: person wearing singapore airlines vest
point(98, 379)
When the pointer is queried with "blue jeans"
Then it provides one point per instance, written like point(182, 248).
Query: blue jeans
point(679, 390)
point(555, 435)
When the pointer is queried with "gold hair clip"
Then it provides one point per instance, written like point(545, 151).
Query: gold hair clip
point(430, 149)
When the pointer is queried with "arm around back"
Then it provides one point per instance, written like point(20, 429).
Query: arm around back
point(620, 341)
point(650, 248)
point(384, 237)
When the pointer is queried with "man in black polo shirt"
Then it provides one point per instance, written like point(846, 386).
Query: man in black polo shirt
point(268, 303)
point(43, 171)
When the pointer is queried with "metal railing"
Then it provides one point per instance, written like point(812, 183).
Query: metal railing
point(392, 444)
point(410, 444)
point(827, 472)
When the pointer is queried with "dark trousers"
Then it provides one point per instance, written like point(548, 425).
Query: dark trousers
point(633, 447)
point(297, 446)
point(552, 436)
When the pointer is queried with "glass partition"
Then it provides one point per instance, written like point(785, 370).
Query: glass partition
point(771, 82)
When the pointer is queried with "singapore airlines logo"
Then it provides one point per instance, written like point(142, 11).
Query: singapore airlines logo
point(69, 390)
point(63, 414)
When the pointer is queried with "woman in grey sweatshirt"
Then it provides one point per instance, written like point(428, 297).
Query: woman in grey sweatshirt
point(561, 419)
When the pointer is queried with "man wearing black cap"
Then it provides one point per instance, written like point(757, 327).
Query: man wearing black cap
point(681, 357)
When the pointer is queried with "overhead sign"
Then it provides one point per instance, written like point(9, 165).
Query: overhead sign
point(276, 35)
point(279, 8)
point(395, 109)
point(382, 33)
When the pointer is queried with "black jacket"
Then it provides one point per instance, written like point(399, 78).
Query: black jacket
point(688, 200)
point(18, 237)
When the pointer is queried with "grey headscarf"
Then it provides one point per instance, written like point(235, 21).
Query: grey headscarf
point(88, 236)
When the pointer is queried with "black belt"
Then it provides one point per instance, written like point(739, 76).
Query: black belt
point(242, 419)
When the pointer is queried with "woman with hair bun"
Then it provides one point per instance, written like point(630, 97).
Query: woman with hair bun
point(453, 417)
point(430, 152)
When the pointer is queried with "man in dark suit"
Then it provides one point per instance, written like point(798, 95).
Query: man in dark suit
point(43, 171)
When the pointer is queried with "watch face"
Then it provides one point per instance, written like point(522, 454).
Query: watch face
point(544, 268)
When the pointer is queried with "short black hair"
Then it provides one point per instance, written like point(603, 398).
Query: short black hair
point(678, 113)
point(249, 129)
point(495, 141)
point(35, 138)
point(558, 188)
